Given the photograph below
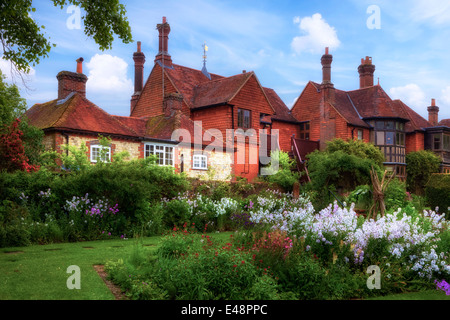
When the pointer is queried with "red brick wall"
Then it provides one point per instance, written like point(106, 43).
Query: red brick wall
point(214, 118)
point(307, 108)
point(286, 130)
point(150, 102)
point(414, 142)
point(251, 97)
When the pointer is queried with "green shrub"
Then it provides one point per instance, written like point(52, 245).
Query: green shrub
point(437, 191)
point(362, 197)
point(286, 175)
point(420, 165)
point(343, 165)
point(395, 195)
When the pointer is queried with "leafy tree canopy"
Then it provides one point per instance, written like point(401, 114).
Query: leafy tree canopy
point(420, 165)
point(24, 42)
point(345, 164)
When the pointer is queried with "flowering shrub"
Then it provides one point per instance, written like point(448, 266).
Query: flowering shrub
point(88, 218)
point(443, 285)
point(200, 210)
point(336, 234)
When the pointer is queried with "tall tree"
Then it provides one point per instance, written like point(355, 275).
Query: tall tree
point(24, 42)
point(25, 136)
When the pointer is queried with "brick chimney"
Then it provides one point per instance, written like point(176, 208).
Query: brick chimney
point(72, 81)
point(433, 111)
point(172, 104)
point(139, 60)
point(327, 86)
point(163, 56)
point(366, 70)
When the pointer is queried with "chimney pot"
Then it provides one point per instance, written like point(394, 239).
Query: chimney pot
point(326, 50)
point(138, 46)
point(433, 113)
point(163, 55)
point(366, 70)
point(80, 65)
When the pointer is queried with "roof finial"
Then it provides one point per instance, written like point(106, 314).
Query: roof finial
point(204, 71)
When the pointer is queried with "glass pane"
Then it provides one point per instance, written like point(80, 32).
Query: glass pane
point(94, 151)
point(307, 126)
point(389, 137)
point(204, 165)
point(437, 141)
point(379, 124)
point(380, 138)
point(389, 124)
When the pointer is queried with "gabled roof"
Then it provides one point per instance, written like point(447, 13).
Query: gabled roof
point(416, 122)
point(199, 91)
point(218, 91)
point(282, 112)
point(75, 112)
point(186, 79)
point(373, 102)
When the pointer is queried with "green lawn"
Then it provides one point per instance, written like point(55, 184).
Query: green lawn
point(39, 272)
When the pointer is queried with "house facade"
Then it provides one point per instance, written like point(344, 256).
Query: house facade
point(369, 114)
point(200, 123)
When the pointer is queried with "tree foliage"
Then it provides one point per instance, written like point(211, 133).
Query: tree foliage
point(343, 164)
point(14, 132)
point(420, 165)
point(25, 43)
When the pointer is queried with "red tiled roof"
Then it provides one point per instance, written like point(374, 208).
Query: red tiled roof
point(444, 122)
point(282, 112)
point(218, 91)
point(373, 102)
point(162, 128)
point(344, 105)
point(416, 122)
point(186, 79)
point(76, 113)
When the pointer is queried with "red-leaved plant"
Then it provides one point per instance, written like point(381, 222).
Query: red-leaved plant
point(12, 152)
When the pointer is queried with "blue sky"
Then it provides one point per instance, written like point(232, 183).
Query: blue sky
point(281, 41)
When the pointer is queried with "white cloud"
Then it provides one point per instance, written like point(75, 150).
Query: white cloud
point(412, 95)
point(108, 75)
point(318, 34)
point(435, 11)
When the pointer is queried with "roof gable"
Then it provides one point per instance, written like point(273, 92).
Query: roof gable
point(76, 113)
point(373, 102)
point(218, 91)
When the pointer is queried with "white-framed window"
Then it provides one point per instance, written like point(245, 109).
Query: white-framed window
point(164, 153)
point(97, 154)
point(200, 161)
point(360, 134)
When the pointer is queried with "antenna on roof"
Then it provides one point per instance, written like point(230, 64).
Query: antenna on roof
point(204, 71)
